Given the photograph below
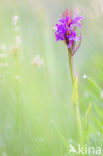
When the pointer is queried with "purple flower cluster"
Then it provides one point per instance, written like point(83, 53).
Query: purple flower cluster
point(66, 30)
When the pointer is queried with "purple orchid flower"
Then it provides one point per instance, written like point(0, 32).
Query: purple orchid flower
point(66, 30)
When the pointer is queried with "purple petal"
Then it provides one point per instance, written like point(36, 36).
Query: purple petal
point(78, 38)
point(70, 43)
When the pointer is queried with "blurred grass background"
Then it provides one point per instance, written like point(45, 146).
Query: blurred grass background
point(32, 96)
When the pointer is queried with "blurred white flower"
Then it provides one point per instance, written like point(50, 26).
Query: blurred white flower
point(4, 64)
point(3, 55)
point(18, 39)
point(3, 47)
point(101, 94)
point(15, 20)
point(17, 77)
point(84, 76)
point(37, 61)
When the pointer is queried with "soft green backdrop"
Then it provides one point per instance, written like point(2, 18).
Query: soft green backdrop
point(31, 96)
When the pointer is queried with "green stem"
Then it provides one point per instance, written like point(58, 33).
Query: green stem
point(71, 65)
point(76, 106)
point(78, 119)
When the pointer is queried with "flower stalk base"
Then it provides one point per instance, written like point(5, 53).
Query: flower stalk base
point(75, 100)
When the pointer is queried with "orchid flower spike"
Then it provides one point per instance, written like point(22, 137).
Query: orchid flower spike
point(66, 30)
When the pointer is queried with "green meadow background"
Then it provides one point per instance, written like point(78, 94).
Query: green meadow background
point(36, 111)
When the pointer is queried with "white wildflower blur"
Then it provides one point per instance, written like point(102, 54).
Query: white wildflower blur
point(17, 77)
point(4, 64)
point(3, 55)
point(84, 76)
point(3, 47)
point(101, 94)
point(15, 20)
point(18, 39)
point(37, 61)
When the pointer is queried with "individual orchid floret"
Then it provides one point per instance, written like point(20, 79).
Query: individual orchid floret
point(66, 30)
